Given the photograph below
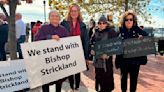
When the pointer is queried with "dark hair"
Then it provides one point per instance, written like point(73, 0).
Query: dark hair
point(93, 22)
point(39, 22)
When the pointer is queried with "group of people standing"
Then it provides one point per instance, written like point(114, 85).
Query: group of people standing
point(4, 30)
point(73, 25)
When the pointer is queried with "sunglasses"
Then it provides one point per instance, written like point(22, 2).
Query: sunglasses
point(74, 11)
point(128, 19)
point(101, 23)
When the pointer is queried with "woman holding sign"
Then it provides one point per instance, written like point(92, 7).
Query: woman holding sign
point(131, 66)
point(103, 63)
point(75, 27)
point(52, 31)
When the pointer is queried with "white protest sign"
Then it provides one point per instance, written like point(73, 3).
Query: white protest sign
point(13, 76)
point(51, 60)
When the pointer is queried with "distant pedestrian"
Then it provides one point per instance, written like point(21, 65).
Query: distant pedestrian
point(35, 28)
point(4, 28)
point(92, 25)
point(27, 31)
point(20, 33)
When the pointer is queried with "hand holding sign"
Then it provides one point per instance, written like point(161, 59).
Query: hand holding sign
point(56, 37)
point(140, 37)
point(55, 61)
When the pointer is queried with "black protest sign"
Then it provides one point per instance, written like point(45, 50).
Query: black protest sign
point(110, 47)
point(138, 47)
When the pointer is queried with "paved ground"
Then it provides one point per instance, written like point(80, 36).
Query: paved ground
point(151, 78)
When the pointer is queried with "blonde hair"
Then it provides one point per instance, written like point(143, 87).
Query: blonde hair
point(123, 17)
point(68, 18)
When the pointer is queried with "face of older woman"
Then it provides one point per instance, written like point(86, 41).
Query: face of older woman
point(74, 12)
point(54, 18)
point(129, 21)
point(102, 25)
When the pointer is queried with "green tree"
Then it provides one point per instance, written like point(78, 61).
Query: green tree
point(106, 6)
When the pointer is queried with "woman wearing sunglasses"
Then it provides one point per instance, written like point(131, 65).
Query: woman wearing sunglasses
point(131, 66)
point(104, 81)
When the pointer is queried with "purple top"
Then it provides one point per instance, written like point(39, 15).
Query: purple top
point(46, 32)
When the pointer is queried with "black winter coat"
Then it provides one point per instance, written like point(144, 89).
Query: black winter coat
point(104, 74)
point(133, 33)
point(4, 28)
point(84, 36)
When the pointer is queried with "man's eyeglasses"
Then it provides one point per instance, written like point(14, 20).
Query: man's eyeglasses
point(128, 19)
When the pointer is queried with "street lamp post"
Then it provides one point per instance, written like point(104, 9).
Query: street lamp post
point(44, 3)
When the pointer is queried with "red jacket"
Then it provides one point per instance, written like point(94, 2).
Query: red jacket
point(36, 28)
